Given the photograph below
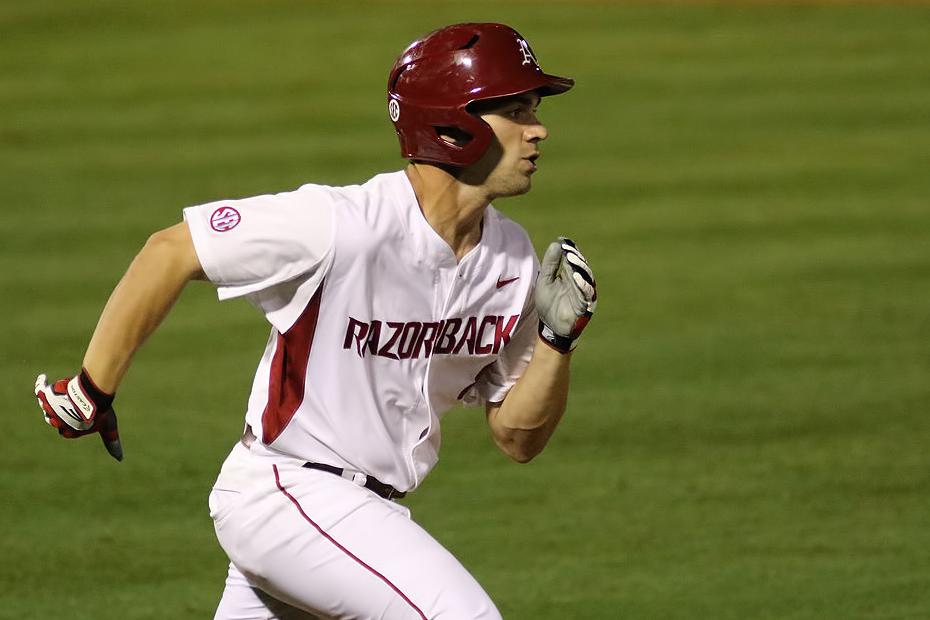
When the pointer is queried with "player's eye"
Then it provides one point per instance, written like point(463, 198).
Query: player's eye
point(521, 112)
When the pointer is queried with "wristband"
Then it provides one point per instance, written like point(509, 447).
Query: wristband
point(562, 344)
point(87, 397)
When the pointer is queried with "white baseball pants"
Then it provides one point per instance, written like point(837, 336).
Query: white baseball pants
point(306, 545)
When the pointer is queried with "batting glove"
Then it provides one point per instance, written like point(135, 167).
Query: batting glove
point(77, 407)
point(566, 295)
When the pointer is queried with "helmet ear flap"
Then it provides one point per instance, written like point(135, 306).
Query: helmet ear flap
point(440, 135)
point(453, 136)
point(471, 137)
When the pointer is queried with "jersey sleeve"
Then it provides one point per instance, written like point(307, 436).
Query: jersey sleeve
point(272, 249)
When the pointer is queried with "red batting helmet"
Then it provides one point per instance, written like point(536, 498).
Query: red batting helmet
point(438, 76)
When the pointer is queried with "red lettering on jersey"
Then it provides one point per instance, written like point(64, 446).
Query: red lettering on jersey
point(426, 342)
point(385, 351)
point(356, 330)
point(468, 338)
point(374, 337)
point(484, 349)
point(408, 340)
point(414, 339)
point(502, 332)
point(288, 374)
point(446, 337)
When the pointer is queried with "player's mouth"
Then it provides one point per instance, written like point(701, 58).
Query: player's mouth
point(532, 159)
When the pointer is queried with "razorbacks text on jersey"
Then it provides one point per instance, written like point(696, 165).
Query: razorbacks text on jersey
point(377, 330)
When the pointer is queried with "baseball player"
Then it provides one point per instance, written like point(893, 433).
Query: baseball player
point(389, 302)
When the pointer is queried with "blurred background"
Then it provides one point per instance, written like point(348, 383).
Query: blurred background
point(748, 429)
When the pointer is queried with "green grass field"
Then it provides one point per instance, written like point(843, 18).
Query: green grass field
point(748, 435)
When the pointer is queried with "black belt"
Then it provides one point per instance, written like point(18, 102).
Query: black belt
point(369, 482)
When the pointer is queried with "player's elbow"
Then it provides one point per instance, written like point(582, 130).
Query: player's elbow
point(173, 249)
point(522, 441)
point(522, 446)
point(524, 456)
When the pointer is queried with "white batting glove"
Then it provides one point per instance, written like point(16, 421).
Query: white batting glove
point(566, 295)
point(77, 407)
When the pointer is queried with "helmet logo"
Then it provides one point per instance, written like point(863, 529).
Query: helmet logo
point(394, 110)
point(528, 56)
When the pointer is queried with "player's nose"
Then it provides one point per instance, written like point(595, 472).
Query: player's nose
point(535, 132)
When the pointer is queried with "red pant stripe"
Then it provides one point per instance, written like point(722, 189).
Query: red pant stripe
point(351, 555)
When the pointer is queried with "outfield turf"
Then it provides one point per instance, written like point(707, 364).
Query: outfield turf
point(748, 434)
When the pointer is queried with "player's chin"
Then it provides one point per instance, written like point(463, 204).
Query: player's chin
point(514, 184)
point(522, 183)
point(516, 189)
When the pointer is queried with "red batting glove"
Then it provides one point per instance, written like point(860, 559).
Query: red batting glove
point(77, 407)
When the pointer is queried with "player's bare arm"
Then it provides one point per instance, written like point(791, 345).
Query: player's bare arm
point(140, 302)
point(524, 422)
point(566, 296)
point(82, 404)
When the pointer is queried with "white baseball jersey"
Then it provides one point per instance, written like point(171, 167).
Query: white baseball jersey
point(377, 329)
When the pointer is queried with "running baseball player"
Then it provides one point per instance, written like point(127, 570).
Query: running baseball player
point(389, 302)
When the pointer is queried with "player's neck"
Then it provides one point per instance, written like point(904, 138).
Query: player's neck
point(454, 210)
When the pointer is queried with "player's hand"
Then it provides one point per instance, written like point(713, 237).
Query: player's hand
point(566, 294)
point(77, 407)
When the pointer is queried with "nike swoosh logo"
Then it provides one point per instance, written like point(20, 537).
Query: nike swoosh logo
point(503, 283)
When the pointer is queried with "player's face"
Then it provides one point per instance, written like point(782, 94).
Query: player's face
point(511, 159)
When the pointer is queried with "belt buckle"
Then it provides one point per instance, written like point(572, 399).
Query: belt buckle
point(355, 476)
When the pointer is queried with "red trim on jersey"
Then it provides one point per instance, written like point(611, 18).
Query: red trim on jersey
point(288, 374)
point(352, 556)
